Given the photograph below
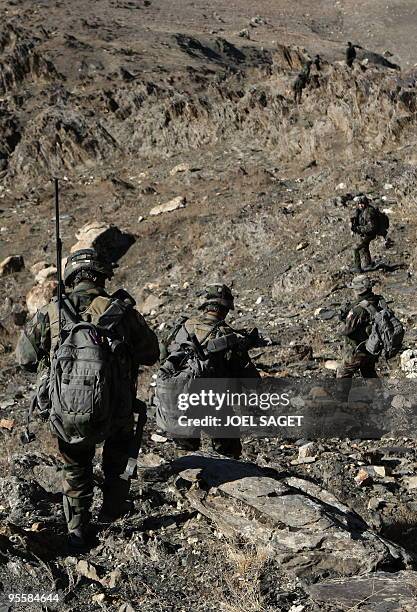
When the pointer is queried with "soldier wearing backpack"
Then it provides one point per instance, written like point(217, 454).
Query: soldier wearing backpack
point(370, 330)
point(367, 224)
point(88, 384)
point(301, 82)
point(226, 349)
point(351, 53)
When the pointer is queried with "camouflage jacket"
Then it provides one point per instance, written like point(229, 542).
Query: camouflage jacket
point(207, 326)
point(40, 337)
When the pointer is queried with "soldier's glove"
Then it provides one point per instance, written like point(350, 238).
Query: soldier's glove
point(43, 415)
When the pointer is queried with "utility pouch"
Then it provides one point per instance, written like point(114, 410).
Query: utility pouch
point(222, 343)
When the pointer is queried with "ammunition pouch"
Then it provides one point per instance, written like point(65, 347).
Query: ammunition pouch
point(114, 313)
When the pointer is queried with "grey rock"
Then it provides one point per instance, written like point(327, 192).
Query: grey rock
point(308, 530)
point(381, 592)
point(49, 477)
point(19, 496)
point(175, 204)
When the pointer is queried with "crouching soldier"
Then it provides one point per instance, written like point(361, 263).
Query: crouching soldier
point(94, 357)
point(232, 362)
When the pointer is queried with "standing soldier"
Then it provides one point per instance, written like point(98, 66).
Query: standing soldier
point(301, 82)
point(357, 319)
point(87, 301)
point(351, 53)
point(233, 362)
point(366, 225)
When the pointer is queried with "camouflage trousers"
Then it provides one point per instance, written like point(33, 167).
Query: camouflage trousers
point(78, 481)
point(298, 93)
point(361, 253)
point(362, 363)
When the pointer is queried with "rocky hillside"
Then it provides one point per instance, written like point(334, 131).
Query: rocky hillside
point(175, 123)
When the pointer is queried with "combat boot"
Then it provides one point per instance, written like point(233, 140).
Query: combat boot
point(115, 500)
point(80, 536)
point(78, 541)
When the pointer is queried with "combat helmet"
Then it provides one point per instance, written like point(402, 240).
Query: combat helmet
point(218, 294)
point(361, 284)
point(361, 198)
point(86, 259)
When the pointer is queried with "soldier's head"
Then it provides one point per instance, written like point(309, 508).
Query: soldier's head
point(87, 265)
point(218, 299)
point(361, 285)
point(349, 44)
point(362, 201)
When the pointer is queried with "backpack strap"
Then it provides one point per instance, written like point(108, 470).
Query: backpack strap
point(69, 310)
point(370, 308)
point(179, 324)
point(69, 315)
point(206, 338)
point(382, 304)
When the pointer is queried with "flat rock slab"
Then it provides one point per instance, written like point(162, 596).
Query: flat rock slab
point(215, 470)
point(381, 592)
point(306, 528)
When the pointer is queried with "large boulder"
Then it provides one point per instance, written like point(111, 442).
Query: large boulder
point(40, 295)
point(108, 240)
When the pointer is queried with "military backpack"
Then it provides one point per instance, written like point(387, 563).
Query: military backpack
point(387, 332)
point(85, 381)
point(382, 223)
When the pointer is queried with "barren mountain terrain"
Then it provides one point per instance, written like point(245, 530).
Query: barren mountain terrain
point(188, 106)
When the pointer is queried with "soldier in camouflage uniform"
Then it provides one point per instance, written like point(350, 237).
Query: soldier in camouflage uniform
point(84, 277)
point(301, 82)
point(351, 53)
point(210, 324)
point(364, 225)
point(357, 319)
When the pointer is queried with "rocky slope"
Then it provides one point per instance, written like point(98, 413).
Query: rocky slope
point(137, 104)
